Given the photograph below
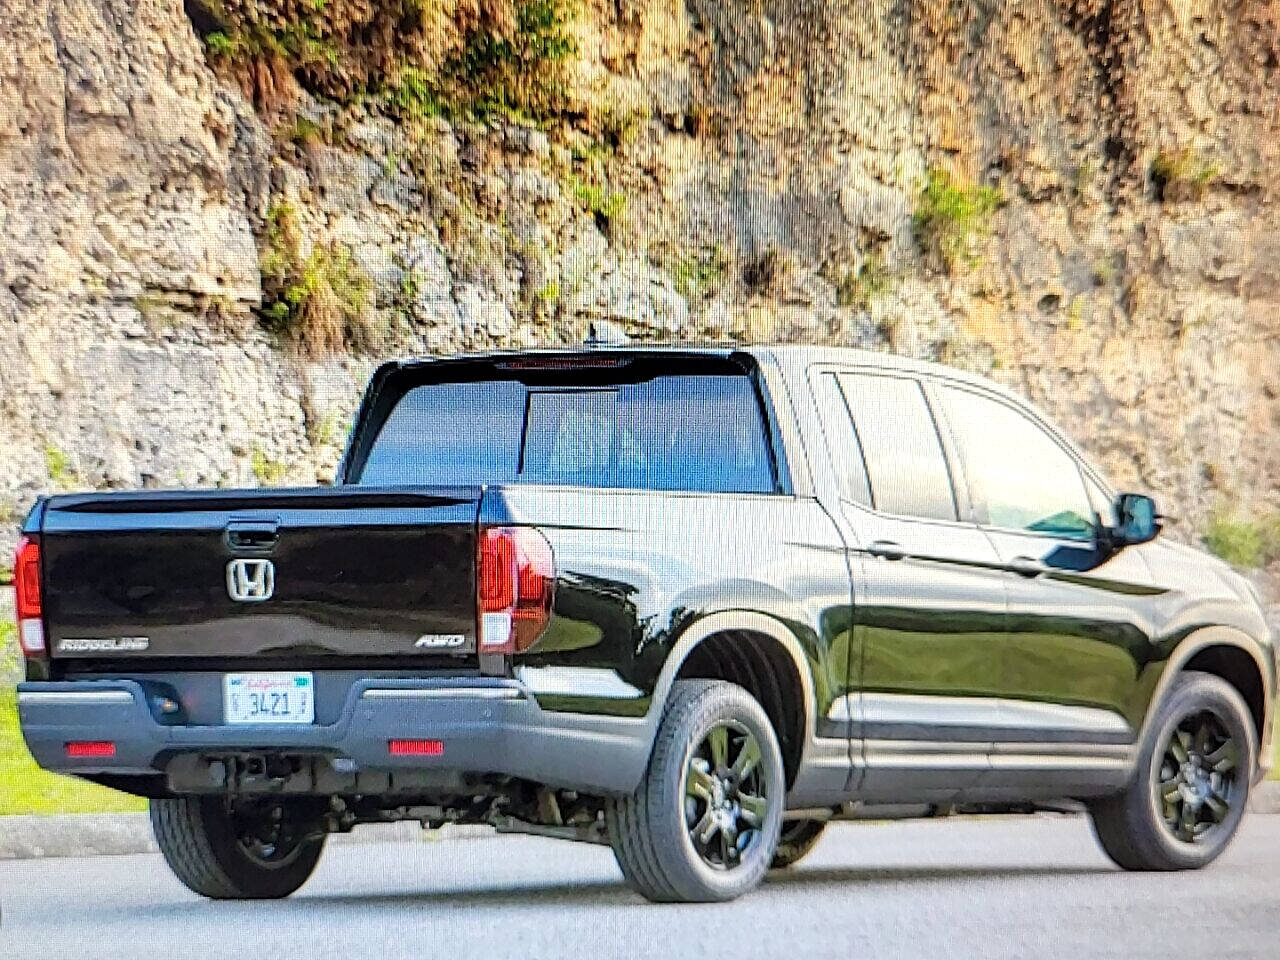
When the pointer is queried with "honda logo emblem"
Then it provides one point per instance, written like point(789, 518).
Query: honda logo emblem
point(250, 581)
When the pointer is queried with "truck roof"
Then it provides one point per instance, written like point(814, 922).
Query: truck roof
point(792, 355)
point(794, 359)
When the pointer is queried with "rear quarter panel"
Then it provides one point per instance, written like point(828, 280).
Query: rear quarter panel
point(635, 569)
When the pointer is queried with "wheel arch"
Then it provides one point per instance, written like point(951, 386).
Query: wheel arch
point(758, 653)
point(1238, 659)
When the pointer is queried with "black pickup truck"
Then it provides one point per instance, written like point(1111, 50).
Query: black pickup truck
point(692, 603)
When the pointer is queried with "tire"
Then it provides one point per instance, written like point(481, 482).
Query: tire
point(692, 786)
point(1132, 826)
point(201, 839)
point(798, 838)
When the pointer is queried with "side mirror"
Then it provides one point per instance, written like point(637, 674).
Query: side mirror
point(1138, 521)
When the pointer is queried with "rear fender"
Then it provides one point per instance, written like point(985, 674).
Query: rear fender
point(723, 622)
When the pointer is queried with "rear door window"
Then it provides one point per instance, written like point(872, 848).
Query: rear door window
point(696, 433)
point(904, 459)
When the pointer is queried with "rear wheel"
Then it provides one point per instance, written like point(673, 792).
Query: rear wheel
point(1192, 784)
point(247, 851)
point(798, 838)
point(704, 823)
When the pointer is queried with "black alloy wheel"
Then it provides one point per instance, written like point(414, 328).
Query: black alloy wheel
point(269, 834)
point(726, 797)
point(703, 825)
point(1190, 784)
point(1197, 785)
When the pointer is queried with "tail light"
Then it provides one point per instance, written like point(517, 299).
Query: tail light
point(26, 590)
point(515, 584)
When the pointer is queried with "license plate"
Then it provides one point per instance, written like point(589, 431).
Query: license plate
point(269, 698)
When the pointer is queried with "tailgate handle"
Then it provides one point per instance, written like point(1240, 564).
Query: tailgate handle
point(252, 536)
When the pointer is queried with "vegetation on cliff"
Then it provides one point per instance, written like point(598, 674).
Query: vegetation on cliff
point(416, 57)
point(1248, 542)
point(319, 302)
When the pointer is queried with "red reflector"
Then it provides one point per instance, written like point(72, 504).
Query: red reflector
point(91, 748)
point(415, 748)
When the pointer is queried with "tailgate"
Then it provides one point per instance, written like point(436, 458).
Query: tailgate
point(262, 574)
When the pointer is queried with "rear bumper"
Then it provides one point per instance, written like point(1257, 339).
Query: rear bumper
point(487, 726)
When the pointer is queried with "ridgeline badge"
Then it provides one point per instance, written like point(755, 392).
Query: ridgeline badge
point(103, 644)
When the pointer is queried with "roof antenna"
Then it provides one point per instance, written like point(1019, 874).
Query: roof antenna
point(602, 333)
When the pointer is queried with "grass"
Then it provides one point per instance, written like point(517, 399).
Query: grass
point(304, 131)
point(602, 202)
point(511, 64)
point(698, 277)
point(268, 472)
point(410, 58)
point(414, 94)
point(322, 303)
point(1243, 542)
point(861, 286)
point(58, 464)
point(518, 74)
point(1183, 172)
point(950, 216)
point(24, 787)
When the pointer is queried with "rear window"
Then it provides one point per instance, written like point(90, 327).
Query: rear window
point(696, 433)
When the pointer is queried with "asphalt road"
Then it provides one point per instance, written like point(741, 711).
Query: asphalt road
point(1024, 888)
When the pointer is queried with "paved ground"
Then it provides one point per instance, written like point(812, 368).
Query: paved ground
point(1019, 888)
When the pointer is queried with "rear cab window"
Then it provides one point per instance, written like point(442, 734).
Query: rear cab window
point(657, 423)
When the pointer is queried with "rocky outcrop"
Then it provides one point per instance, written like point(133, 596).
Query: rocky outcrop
point(131, 185)
point(1100, 232)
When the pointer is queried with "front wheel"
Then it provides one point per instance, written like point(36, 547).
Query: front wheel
point(703, 824)
point(1191, 787)
point(250, 851)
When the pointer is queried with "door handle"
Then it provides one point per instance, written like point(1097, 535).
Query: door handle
point(886, 549)
point(252, 536)
point(1026, 567)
